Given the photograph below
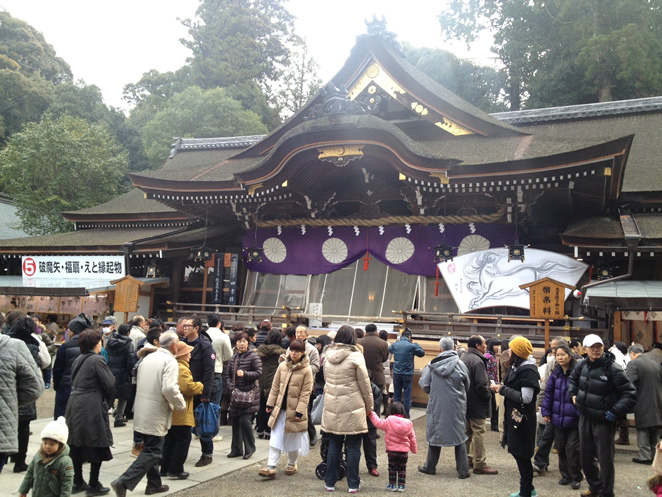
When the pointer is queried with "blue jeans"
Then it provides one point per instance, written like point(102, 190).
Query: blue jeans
point(402, 390)
point(334, 456)
point(217, 389)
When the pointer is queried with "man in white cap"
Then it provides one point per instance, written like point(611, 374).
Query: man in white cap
point(602, 393)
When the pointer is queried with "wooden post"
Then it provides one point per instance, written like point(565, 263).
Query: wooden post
point(547, 333)
point(204, 289)
point(618, 326)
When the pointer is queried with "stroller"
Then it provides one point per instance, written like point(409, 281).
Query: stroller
point(321, 468)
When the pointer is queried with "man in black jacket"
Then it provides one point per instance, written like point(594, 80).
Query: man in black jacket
point(64, 359)
point(203, 359)
point(121, 359)
point(478, 404)
point(602, 393)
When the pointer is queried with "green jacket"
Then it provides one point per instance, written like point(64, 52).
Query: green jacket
point(53, 479)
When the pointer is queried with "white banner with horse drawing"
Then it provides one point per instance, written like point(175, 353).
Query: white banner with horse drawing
point(487, 279)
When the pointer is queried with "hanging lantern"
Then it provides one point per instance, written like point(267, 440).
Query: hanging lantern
point(203, 254)
point(516, 252)
point(151, 271)
point(605, 272)
point(443, 253)
point(254, 254)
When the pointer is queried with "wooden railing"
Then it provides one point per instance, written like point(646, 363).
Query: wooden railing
point(250, 315)
point(424, 325)
point(434, 325)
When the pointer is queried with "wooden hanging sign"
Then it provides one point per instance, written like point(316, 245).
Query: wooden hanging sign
point(547, 298)
point(127, 290)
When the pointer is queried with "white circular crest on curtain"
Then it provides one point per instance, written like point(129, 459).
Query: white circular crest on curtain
point(334, 250)
point(274, 250)
point(473, 243)
point(399, 250)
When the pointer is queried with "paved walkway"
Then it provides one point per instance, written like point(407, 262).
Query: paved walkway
point(122, 459)
point(237, 477)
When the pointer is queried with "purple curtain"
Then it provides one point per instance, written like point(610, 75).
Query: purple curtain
point(409, 249)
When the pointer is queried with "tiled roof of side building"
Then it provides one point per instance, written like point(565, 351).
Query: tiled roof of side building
point(583, 111)
point(214, 143)
point(610, 229)
point(110, 239)
point(132, 201)
point(642, 173)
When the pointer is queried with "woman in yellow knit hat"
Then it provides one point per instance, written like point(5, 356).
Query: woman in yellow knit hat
point(519, 389)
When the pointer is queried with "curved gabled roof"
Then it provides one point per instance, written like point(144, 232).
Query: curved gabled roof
point(372, 60)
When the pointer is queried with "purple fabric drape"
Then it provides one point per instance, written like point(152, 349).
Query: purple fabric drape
point(409, 249)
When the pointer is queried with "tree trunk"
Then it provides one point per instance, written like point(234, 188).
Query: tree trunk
point(604, 91)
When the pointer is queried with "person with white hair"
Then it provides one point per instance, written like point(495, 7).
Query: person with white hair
point(446, 380)
point(157, 390)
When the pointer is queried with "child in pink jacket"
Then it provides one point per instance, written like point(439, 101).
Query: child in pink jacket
point(400, 440)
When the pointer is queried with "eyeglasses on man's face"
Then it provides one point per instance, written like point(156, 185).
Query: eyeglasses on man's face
point(187, 326)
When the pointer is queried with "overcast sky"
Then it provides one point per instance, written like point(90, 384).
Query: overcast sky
point(110, 44)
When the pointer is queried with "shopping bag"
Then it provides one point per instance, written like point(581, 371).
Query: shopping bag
point(316, 411)
point(206, 419)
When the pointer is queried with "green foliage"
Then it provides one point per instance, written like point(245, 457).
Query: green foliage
point(79, 100)
point(24, 49)
point(60, 164)
point(234, 41)
point(478, 85)
point(297, 83)
point(196, 113)
point(153, 90)
point(86, 102)
point(243, 46)
point(22, 99)
point(568, 51)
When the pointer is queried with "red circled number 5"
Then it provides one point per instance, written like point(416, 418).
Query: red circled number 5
point(29, 267)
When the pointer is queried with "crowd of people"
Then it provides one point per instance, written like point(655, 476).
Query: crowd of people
point(575, 401)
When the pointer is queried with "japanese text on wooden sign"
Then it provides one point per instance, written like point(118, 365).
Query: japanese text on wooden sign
point(547, 300)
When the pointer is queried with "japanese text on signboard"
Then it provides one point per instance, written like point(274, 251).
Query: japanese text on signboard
point(547, 301)
point(92, 267)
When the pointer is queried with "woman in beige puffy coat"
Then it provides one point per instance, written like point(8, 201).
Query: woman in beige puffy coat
point(347, 403)
point(288, 406)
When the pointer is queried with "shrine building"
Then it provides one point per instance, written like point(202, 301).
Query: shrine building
point(389, 199)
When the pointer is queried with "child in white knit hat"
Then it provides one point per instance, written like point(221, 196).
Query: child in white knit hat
point(655, 481)
point(51, 472)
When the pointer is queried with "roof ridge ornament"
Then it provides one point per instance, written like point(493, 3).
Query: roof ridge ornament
point(377, 27)
point(336, 102)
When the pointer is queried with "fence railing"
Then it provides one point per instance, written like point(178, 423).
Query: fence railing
point(424, 325)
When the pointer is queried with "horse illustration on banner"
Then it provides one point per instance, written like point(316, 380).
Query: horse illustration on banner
point(487, 279)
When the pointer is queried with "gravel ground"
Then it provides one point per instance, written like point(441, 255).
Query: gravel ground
point(630, 477)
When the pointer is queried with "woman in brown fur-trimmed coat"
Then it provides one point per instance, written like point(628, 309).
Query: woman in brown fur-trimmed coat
point(288, 406)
